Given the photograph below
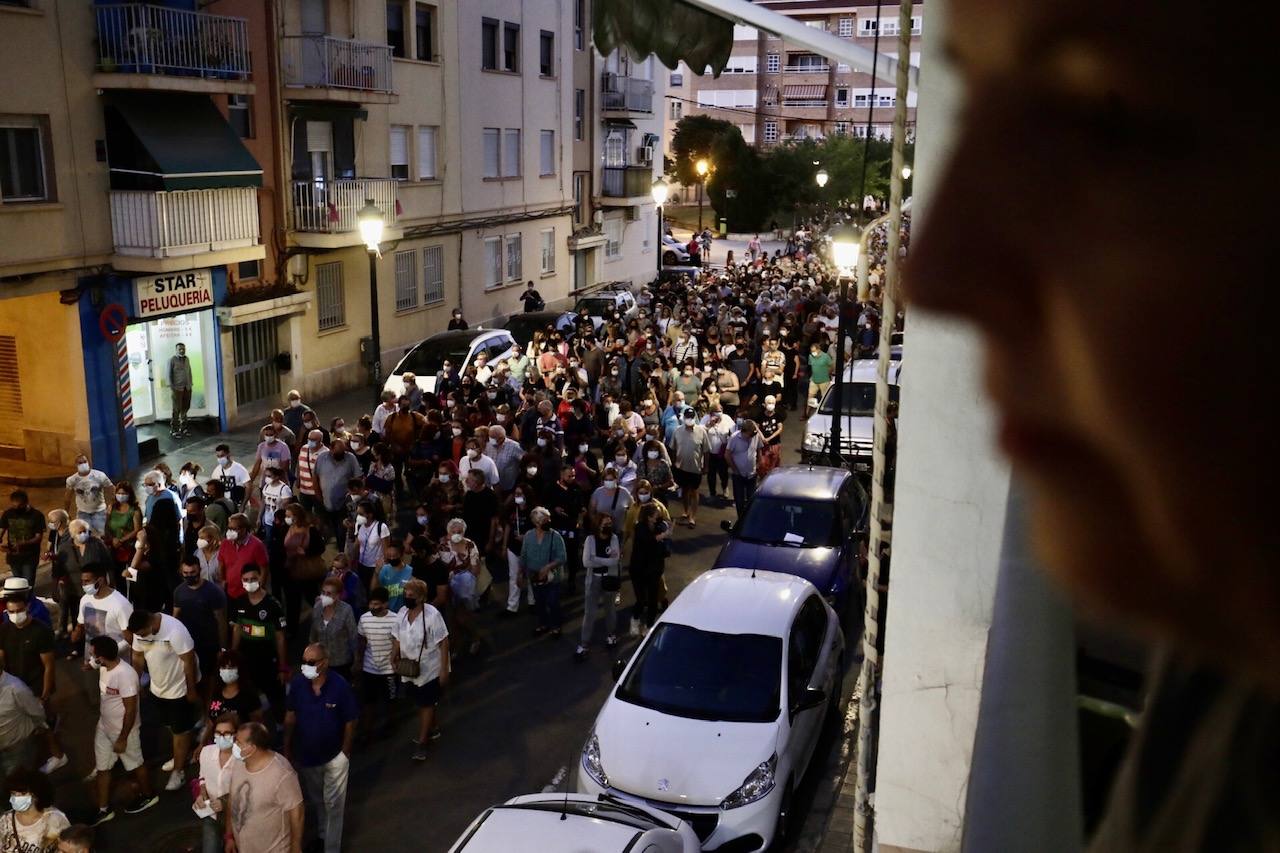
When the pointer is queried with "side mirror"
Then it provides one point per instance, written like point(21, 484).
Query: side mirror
point(726, 525)
point(811, 698)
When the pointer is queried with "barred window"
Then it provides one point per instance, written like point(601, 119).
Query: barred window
point(406, 280)
point(331, 296)
point(432, 274)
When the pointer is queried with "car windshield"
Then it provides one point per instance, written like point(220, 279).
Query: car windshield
point(430, 356)
point(786, 521)
point(705, 675)
point(859, 399)
point(613, 812)
point(595, 307)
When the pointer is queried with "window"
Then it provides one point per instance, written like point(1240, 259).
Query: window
point(842, 128)
point(489, 44)
point(579, 114)
point(427, 153)
point(677, 109)
point(511, 153)
point(580, 196)
point(748, 132)
point(917, 27)
point(677, 79)
point(889, 27)
point(492, 157)
point(406, 280)
point(886, 100)
point(395, 29)
point(510, 47)
point(246, 270)
point(773, 63)
point(548, 236)
point(547, 53)
point(743, 33)
point(843, 68)
point(860, 100)
point(547, 152)
point(615, 149)
point(770, 131)
point(845, 27)
point(867, 27)
point(842, 97)
point(432, 274)
point(24, 172)
point(400, 152)
point(579, 24)
point(613, 238)
point(741, 65)
point(515, 257)
point(239, 109)
point(492, 261)
point(817, 25)
point(331, 296)
point(741, 98)
point(424, 28)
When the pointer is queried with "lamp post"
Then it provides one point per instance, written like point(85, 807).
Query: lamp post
point(701, 167)
point(906, 173)
point(822, 177)
point(659, 193)
point(846, 246)
point(371, 224)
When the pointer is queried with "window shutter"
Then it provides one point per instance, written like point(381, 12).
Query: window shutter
point(399, 145)
point(426, 152)
point(319, 136)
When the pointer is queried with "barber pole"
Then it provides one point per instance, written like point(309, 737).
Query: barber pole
point(122, 383)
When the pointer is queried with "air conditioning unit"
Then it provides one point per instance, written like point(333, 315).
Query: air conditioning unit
point(645, 154)
point(297, 265)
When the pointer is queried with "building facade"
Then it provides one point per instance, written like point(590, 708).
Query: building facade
point(775, 91)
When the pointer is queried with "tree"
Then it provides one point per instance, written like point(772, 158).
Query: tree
point(740, 169)
point(696, 137)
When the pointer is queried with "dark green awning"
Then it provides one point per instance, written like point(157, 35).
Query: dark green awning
point(672, 29)
point(174, 141)
point(327, 112)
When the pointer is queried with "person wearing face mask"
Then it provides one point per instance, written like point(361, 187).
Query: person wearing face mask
point(257, 634)
point(86, 494)
point(690, 445)
point(333, 625)
point(234, 476)
point(102, 611)
point(319, 732)
point(78, 548)
point(372, 536)
point(22, 527)
point(308, 484)
point(420, 655)
point(189, 481)
point(771, 423)
point(719, 426)
point(516, 522)
point(567, 503)
point(118, 733)
point(506, 455)
point(654, 467)
point(265, 809)
point(480, 512)
point(443, 498)
point(32, 824)
point(602, 560)
point(295, 414)
point(393, 573)
point(610, 499)
point(474, 459)
point(164, 648)
point(620, 463)
point(216, 762)
point(27, 646)
point(201, 607)
point(272, 453)
point(275, 491)
point(232, 693)
point(239, 548)
point(378, 681)
point(542, 559)
point(193, 520)
point(333, 469)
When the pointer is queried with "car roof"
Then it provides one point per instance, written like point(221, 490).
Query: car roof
point(806, 482)
point(507, 828)
point(865, 369)
point(740, 601)
point(461, 336)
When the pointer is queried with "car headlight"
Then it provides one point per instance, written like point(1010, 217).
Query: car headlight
point(756, 786)
point(814, 441)
point(591, 761)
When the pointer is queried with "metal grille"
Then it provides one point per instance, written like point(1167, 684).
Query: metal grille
point(256, 345)
point(432, 274)
point(10, 393)
point(331, 296)
point(406, 280)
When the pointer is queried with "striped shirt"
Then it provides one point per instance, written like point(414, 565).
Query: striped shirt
point(306, 470)
point(377, 631)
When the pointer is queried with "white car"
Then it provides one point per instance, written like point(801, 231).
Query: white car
point(602, 304)
point(559, 823)
point(459, 348)
point(673, 251)
point(859, 404)
point(715, 718)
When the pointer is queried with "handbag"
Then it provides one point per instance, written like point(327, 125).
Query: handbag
point(611, 583)
point(412, 668)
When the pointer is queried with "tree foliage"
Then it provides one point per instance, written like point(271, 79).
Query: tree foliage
point(697, 136)
point(672, 29)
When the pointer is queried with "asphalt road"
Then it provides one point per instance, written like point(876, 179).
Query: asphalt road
point(513, 720)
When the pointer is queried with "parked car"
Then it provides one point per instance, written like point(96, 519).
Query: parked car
point(859, 405)
point(715, 718)
point(559, 823)
point(522, 326)
point(602, 304)
point(458, 348)
point(673, 251)
point(805, 521)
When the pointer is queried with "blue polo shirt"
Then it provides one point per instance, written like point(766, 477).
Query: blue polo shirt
point(320, 718)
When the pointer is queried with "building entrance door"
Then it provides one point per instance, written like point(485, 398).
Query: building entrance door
point(151, 345)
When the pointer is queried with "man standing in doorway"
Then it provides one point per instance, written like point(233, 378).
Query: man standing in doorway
point(180, 384)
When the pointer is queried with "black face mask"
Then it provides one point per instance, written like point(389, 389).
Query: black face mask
point(194, 580)
point(395, 562)
point(606, 532)
point(410, 602)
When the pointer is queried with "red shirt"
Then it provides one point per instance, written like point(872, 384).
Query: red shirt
point(234, 556)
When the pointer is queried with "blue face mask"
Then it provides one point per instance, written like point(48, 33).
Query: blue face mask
point(224, 741)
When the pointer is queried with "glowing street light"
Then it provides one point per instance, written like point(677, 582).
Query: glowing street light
point(906, 173)
point(846, 244)
point(822, 177)
point(369, 218)
point(702, 167)
point(371, 225)
point(659, 192)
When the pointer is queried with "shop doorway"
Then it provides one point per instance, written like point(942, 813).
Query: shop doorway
point(151, 344)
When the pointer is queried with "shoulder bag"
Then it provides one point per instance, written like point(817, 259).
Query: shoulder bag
point(412, 667)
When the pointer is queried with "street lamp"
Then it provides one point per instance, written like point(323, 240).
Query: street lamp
point(906, 173)
point(822, 177)
point(371, 224)
point(659, 192)
point(846, 245)
point(701, 167)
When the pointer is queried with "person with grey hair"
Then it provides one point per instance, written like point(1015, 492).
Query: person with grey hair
point(542, 562)
point(78, 547)
point(506, 455)
point(741, 452)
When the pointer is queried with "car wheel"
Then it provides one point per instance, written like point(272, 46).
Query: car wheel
point(782, 826)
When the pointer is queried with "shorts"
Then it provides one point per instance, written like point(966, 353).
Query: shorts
point(376, 689)
point(687, 480)
point(105, 756)
point(177, 715)
point(425, 695)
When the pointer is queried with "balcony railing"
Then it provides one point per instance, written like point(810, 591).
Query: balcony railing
point(324, 62)
point(626, 181)
point(806, 69)
point(628, 94)
point(183, 222)
point(330, 207)
point(135, 38)
point(804, 102)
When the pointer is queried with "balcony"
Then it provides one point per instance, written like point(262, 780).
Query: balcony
point(806, 69)
point(324, 212)
point(626, 186)
point(623, 96)
point(180, 229)
point(324, 68)
point(152, 47)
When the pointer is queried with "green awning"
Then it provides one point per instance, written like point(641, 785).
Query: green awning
point(174, 141)
point(672, 29)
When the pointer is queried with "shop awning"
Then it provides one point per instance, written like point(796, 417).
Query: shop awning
point(814, 92)
point(620, 122)
point(174, 141)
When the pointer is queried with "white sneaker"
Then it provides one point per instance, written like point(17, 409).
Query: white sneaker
point(54, 763)
point(167, 766)
point(175, 781)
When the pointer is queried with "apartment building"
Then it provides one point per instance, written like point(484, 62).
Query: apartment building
point(775, 91)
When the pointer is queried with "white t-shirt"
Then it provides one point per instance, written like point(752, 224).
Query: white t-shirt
point(88, 489)
point(104, 617)
point(231, 476)
point(484, 463)
point(114, 686)
point(410, 636)
point(273, 495)
point(38, 836)
point(216, 776)
point(163, 651)
point(370, 537)
point(377, 632)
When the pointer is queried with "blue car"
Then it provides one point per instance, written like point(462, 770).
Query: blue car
point(806, 521)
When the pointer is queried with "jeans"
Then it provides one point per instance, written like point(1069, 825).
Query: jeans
point(546, 599)
point(717, 472)
point(325, 789)
point(744, 489)
point(593, 595)
point(24, 566)
point(647, 585)
point(211, 835)
point(95, 520)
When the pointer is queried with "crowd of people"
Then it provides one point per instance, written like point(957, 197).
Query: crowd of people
point(558, 469)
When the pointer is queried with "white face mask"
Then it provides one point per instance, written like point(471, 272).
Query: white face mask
point(293, 404)
point(233, 534)
point(21, 802)
point(18, 618)
point(83, 467)
point(229, 676)
point(583, 448)
point(326, 600)
point(312, 443)
point(53, 525)
point(652, 454)
point(224, 742)
point(456, 432)
point(532, 470)
point(94, 663)
point(422, 519)
point(288, 519)
point(645, 497)
point(542, 442)
point(271, 439)
point(444, 478)
point(519, 499)
point(473, 453)
point(122, 497)
point(224, 461)
point(502, 419)
point(252, 586)
point(611, 484)
point(89, 588)
point(202, 544)
point(236, 752)
point(82, 537)
point(149, 489)
point(455, 538)
point(310, 671)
